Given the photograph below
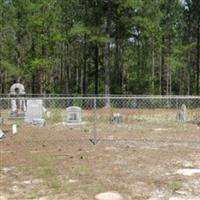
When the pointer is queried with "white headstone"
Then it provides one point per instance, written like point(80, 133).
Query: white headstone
point(14, 129)
point(18, 103)
point(35, 112)
point(116, 118)
point(19, 87)
point(1, 134)
point(182, 114)
point(13, 105)
point(73, 115)
point(184, 111)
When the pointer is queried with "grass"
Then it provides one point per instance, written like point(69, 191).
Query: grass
point(175, 186)
point(35, 193)
point(56, 185)
point(98, 188)
point(44, 168)
point(103, 119)
point(52, 186)
point(56, 116)
point(82, 170)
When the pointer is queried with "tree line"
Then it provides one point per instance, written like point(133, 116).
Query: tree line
point(101, 46)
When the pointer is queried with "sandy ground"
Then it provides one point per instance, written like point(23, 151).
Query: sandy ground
point(139, 159)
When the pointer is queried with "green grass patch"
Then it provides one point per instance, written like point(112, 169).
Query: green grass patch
point(175, 186)
point(56, 185)
point(45, 169)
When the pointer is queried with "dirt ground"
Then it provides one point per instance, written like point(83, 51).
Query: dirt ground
point(140, 161)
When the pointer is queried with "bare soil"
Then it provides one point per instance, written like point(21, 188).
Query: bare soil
point(138, 158)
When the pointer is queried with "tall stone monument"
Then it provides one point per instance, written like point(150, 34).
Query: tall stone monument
point(18, 103)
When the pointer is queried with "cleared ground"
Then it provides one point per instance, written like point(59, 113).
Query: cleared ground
point(138, 158)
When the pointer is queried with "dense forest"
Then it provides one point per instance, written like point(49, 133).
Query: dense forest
point(101, 46)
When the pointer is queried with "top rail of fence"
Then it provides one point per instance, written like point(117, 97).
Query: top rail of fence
point(102, 97)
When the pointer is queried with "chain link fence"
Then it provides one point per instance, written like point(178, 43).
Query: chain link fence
point(64, 119)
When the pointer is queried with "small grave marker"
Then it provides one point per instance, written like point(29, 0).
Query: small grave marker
point(116, 118)
point(14, 129)
point(73, 116)
point(1, 134)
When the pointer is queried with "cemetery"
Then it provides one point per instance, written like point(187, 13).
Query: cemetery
point(100, 100)
point(46, 143)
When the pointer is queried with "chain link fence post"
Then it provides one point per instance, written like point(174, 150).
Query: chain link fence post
point(94, 139)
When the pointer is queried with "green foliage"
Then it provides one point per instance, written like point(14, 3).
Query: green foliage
point(79, 29)
point(175, 186)
point(100, 39)
point(133, 4)
point(40, 63)
point(64, 46)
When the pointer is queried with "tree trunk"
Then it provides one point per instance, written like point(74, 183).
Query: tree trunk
point(160, 71)
point(153, 71)
point(164, 70)
point(117, 70)
point(66, 71)
point(96, 61)
point(198, 58)
point(107, 72)
point(62, 74)
point(84, 87)
point(107, 55)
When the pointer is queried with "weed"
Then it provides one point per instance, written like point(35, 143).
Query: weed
point(55, 184)
point(175, 186)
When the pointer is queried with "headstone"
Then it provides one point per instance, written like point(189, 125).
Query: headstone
point(182, 114)
point(14, 129)
point(73, 115)
point(1, 134)
point(1, 120)
point(17, 89)
point(35, 112)
point(116, 118)
point(18, 103)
